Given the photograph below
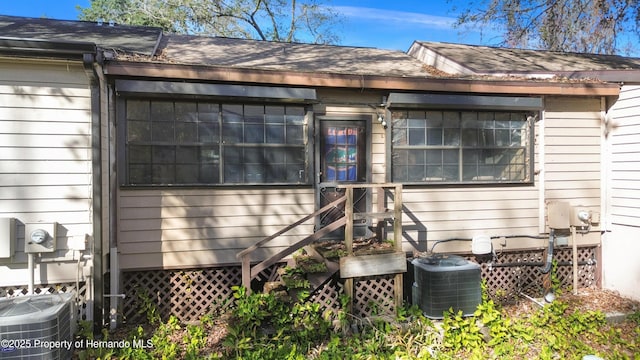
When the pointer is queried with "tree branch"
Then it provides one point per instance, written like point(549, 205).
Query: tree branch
point(292, 24)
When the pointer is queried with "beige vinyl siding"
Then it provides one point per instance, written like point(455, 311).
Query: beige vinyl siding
point(173, 228)
point(625, 158)
point(573, 155)
point(444, 213)
point(436, 213)
point(45, 160)
point(572, 151)
point(168, 228)
point(572, 173)
point(378, 153)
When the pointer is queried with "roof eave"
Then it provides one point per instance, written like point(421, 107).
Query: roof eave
point(356, 81)
point(610, 75)
point(45, 48)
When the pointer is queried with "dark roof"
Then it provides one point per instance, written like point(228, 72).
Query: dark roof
point(136, 39)
point(193, 56)
point(488, 60)
point(242, 53)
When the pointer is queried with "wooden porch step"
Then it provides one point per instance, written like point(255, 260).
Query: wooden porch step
point(317, 280)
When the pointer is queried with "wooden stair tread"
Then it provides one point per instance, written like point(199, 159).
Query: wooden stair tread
point(316, 280)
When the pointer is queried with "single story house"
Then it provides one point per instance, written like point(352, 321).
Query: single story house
point(193, 149)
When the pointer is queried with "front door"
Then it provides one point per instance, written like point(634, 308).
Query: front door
point(342, 148)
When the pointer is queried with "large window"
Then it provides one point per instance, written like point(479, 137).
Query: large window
point(461, 146)
point(199, 143)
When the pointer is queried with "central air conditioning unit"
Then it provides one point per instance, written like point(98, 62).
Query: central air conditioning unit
point(37, 319)
point(443, 282)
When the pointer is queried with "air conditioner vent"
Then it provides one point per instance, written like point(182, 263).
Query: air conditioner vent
point(443, 282)
point(42, 318)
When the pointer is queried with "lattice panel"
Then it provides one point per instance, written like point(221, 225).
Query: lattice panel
point(328, 296)
point(373, 296)
point(514, 273)
point(191, 294)
point(186, 294)
point(62, 288)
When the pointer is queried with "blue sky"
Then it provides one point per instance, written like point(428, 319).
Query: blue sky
point(371, 23)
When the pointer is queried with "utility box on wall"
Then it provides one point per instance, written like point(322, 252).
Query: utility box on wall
point(40, 237)
point(7, 237)
point(558, 214)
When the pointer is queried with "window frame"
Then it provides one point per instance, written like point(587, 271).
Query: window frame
point(123, 142)
point(529, 161)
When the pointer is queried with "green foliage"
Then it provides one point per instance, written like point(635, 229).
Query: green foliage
point(310, 265)
point(85, 332)
point(263, 326)
point(256, 313)
point(195, 340)
point(162, 344)
point(148, 308)
point(460, 332)
point(294, 278)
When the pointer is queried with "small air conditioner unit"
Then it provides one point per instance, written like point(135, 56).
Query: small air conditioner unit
point(30, 322)
point(444, 282)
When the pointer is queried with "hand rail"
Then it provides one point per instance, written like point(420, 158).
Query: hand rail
point(297, 245)
point(248, 273)
point(245, 255)
point(255, 246)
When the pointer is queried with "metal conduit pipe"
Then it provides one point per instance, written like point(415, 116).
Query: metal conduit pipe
point(492, 237)
point(560, 263)
point(547, 267)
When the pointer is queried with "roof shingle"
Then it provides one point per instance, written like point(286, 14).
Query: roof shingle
point(135, 39)
point(242, 53)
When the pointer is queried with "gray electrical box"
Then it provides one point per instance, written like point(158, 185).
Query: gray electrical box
point(558, 214)
point(40, 237)
point(7, 237)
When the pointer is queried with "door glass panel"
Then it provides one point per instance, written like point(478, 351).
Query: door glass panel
point(342, 156)
point(343, 159)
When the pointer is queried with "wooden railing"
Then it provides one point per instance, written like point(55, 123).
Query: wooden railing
point(249, 272)
point(352, 265)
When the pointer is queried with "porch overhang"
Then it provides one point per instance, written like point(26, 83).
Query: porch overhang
point(173, 89)
point(40, 48)
point(357, 81)
point(422, 100)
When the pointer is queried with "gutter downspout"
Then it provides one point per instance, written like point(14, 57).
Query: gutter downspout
point(549, 263)
point(542, 200)
point(91, 69)
point(605, 185)
point(605, 121)
point(115, 298)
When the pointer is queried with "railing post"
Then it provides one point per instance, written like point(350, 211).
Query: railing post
point(348, 228)
point(246, 273)
point(397, 217)
point(397, 234)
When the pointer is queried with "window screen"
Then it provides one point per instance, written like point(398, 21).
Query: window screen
point(461, 146)
point(192, 143)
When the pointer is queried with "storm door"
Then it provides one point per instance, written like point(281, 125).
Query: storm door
point(342, 148)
